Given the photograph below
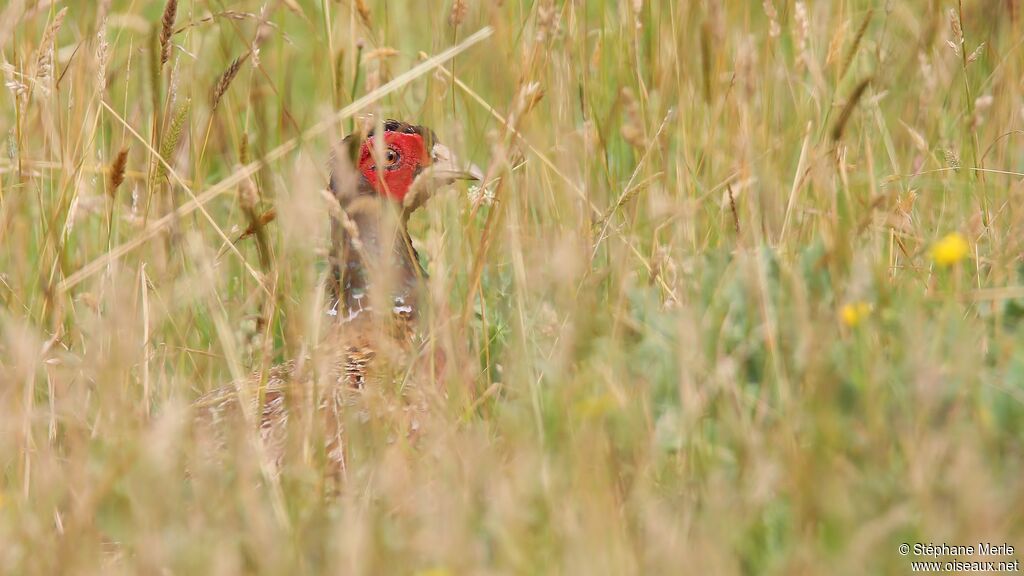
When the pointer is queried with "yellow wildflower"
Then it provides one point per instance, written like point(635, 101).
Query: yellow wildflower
point(950, 250)
point(854, 313)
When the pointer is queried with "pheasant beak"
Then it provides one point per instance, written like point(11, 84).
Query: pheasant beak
point(445, 168)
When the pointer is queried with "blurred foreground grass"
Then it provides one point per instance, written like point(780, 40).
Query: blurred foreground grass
point(748, 299)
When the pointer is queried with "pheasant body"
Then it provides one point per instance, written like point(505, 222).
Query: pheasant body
point(374, 268)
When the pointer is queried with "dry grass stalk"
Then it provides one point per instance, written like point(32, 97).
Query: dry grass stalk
point(638, 9)
point(339, 76)
point(102, 11)
point(156, 84)
point(382, 53)
point(263, 30)
point(167, 30)
point(226, 14)
point(293, 6)
point(224, 82)
point(374, 79)
point(9, 18)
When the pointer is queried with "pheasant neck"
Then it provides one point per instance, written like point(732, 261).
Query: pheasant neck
point(374, 265)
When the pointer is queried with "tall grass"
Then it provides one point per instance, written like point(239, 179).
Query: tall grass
point(697, 321)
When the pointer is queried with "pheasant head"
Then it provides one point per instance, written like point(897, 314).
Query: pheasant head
point(403, 162)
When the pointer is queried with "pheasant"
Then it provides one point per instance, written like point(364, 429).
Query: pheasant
point(374, 285)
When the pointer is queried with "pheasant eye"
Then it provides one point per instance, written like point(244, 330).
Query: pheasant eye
point(391, 157)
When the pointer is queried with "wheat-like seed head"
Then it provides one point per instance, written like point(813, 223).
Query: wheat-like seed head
point(170, 142)
point(774, 29)
point(167, 30)
point(364, 12)
point(458, 13)
point(102, 57)
point(801, 32)
point(117, 171)
point(224, 82)
point(857, 38)
point(44, 56)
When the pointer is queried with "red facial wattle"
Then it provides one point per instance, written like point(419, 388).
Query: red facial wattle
point(393, 179)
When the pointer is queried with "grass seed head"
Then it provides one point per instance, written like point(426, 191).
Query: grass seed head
point(801, 34)
point(117, 171)
point(102, 57)
point(248, 196)
point(44, 56)
point(774, 29)
point(847, 112)
point(632, 125)
point(13, 81)
point(364, 12)
point(458, 13)
point(170, 142)
point(167, 30)
point(224, 82)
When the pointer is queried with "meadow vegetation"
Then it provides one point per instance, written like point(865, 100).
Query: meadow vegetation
point(743, 293)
